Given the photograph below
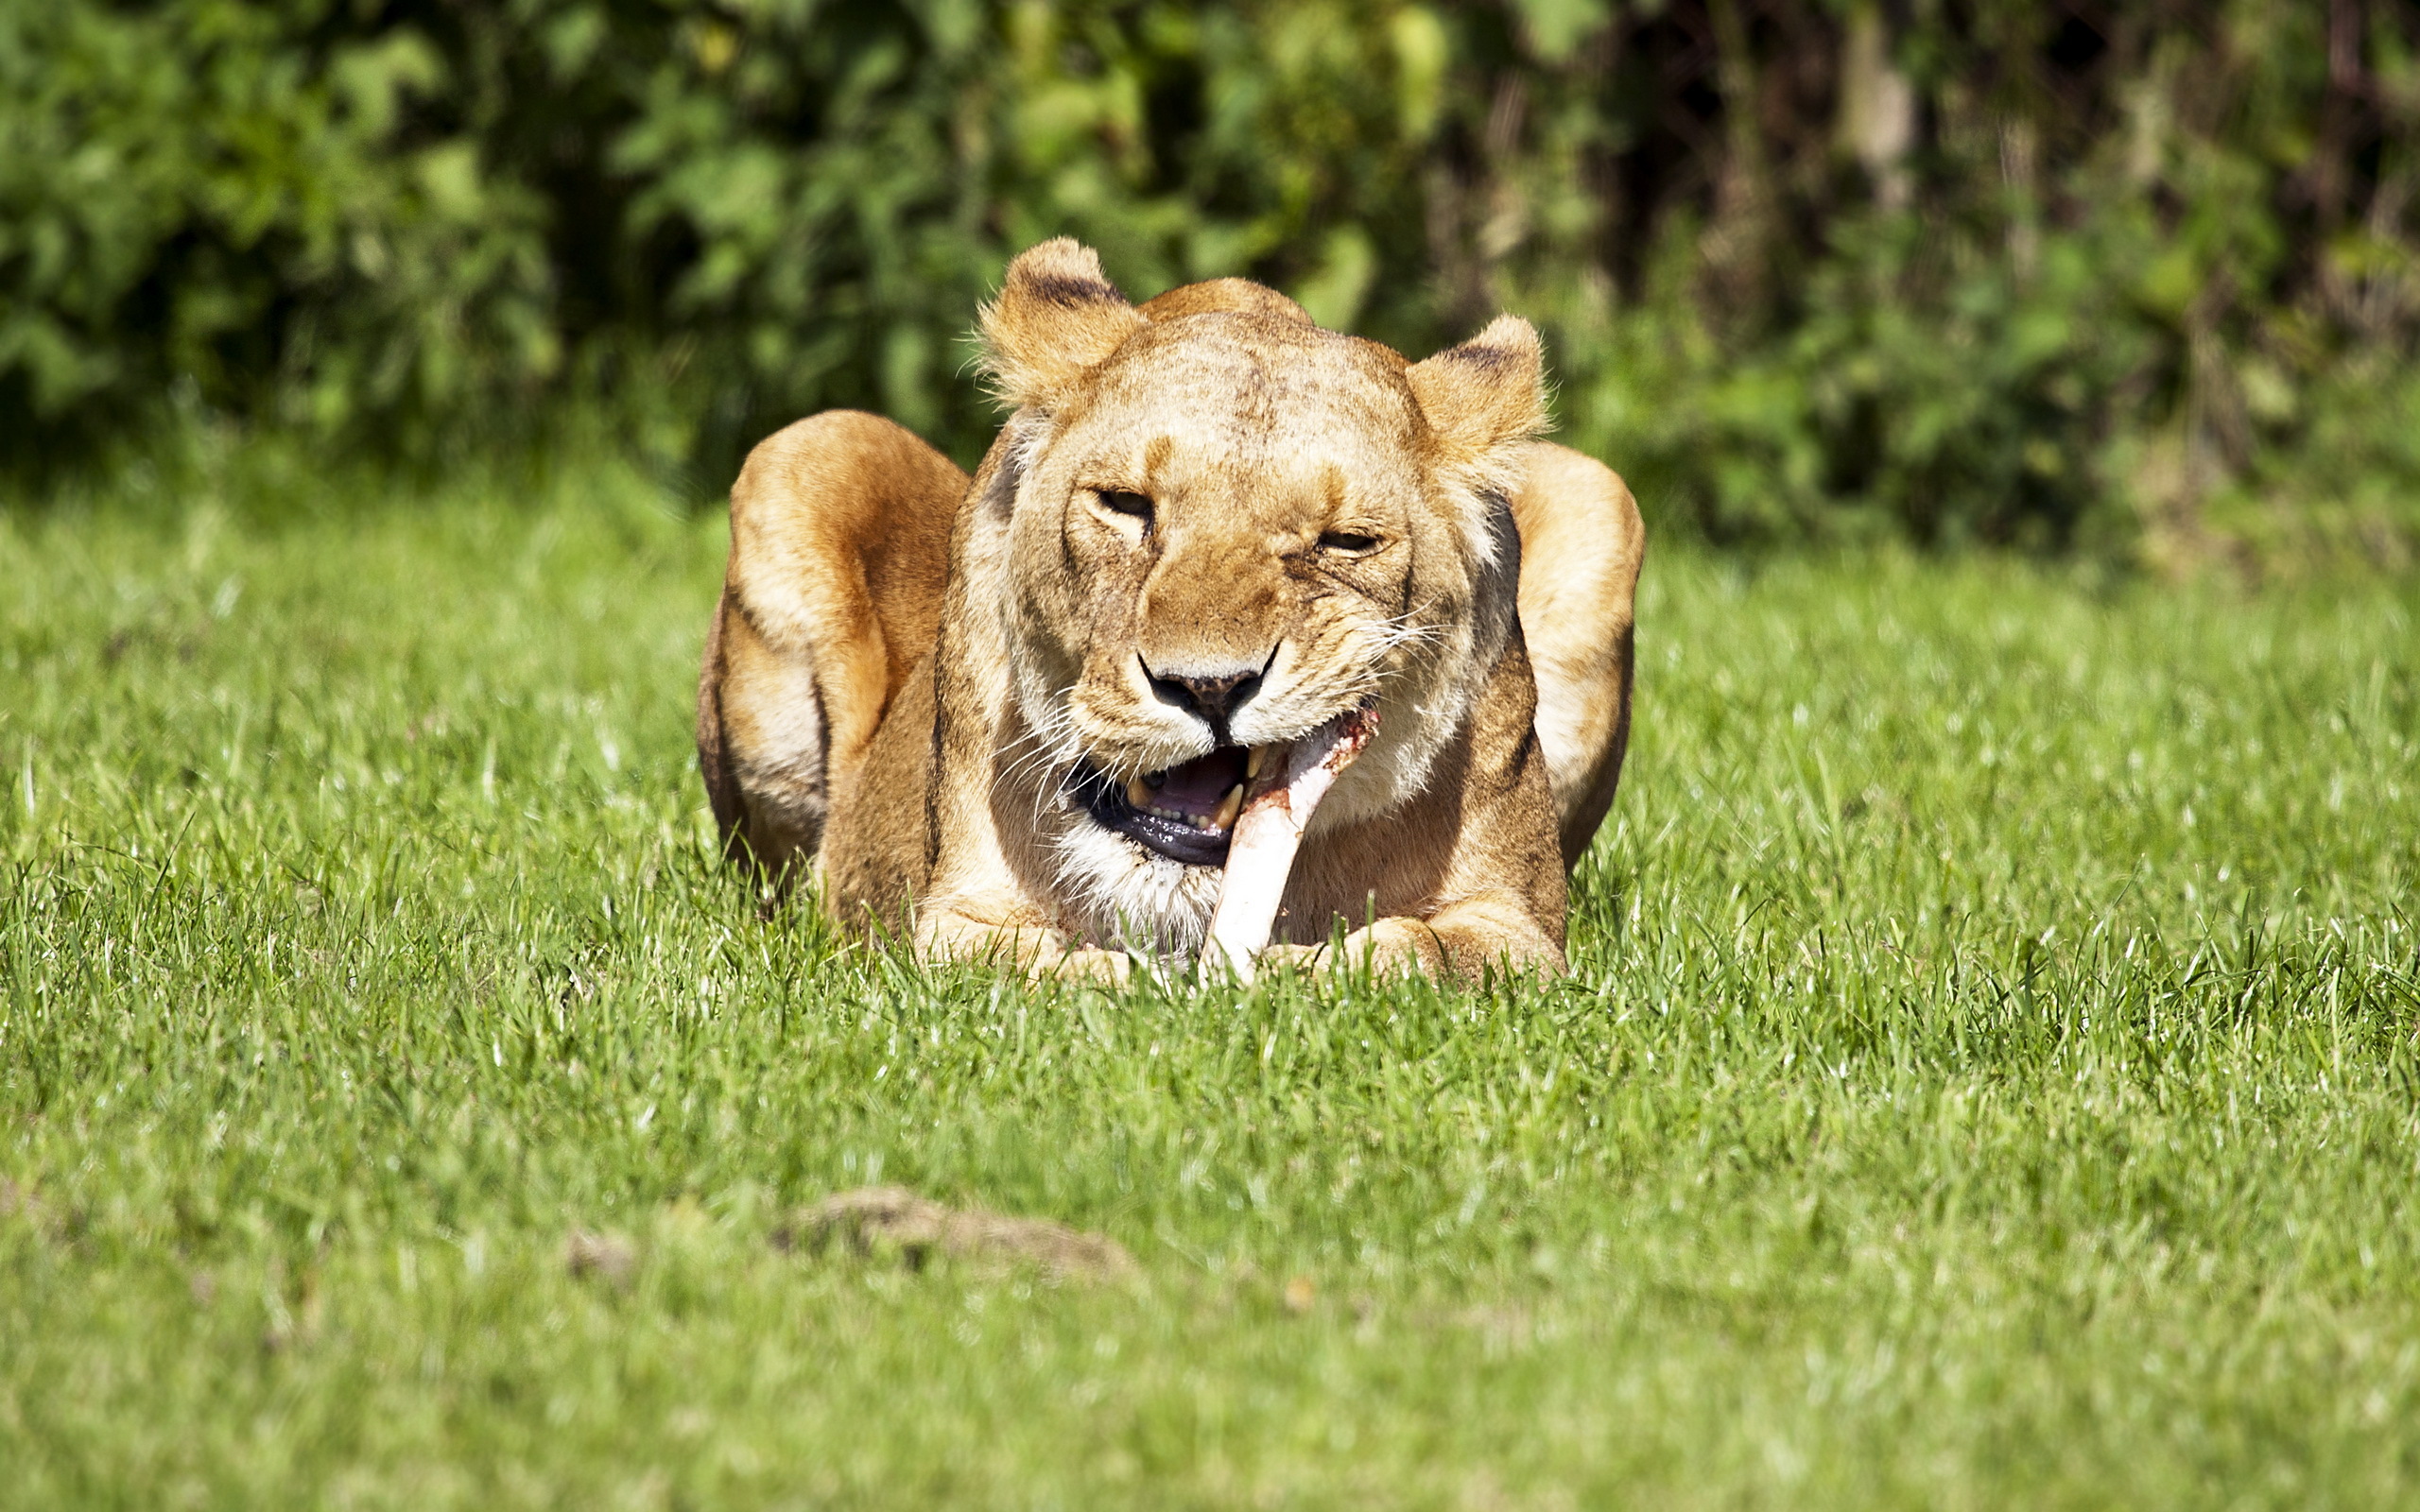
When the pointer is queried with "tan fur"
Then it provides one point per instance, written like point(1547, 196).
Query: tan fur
point(905, 669)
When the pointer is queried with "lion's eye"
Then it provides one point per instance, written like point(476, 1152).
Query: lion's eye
point(1348, 543)
point(1126, 502)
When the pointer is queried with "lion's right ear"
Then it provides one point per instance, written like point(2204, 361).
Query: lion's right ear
point(1058, 317)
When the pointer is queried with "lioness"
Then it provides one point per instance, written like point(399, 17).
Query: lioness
point(1226, 583)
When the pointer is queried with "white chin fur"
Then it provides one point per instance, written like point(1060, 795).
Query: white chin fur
point(1132, 899)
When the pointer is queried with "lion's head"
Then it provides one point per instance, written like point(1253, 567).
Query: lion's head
point(1220, 527)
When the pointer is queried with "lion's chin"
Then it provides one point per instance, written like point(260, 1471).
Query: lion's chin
point(1125, 895)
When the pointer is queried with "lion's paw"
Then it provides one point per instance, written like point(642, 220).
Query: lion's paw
point(1089, 965)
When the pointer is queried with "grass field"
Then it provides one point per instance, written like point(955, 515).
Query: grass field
point(1988, 1078)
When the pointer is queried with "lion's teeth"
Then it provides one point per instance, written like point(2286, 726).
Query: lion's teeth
point(1137, 792)
point(1252, 760)
point(1229, 807)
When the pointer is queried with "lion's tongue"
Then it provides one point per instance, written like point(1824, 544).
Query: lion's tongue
point(1260, 853)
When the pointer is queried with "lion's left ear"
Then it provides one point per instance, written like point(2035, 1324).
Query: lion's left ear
point(1058, 317)
point(1486, 393)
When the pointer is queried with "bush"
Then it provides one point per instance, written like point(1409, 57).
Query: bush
point(2143, 280)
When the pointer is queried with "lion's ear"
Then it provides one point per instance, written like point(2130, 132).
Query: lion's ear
point(1486, 393)
point(1058, 316)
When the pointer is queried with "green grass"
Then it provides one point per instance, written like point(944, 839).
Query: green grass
point(1988, 1078)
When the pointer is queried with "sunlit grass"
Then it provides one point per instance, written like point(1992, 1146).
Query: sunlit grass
point(1988, 1076)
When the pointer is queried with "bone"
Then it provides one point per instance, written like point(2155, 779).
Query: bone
point(1278, 805)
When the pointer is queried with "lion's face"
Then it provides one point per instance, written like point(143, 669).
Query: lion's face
point(1232, 529)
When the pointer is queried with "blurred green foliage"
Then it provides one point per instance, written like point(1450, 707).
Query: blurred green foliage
point(2135, 274)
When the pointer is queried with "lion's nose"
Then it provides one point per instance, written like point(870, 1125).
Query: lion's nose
point(1214, 695)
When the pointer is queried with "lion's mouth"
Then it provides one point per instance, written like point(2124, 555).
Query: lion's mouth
point(1186, 812)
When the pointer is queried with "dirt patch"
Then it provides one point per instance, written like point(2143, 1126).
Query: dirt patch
point(607, 1257)
point(875, 1221)
point(18, 1204)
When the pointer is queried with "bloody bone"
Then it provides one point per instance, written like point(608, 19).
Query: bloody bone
point(1260, 854)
